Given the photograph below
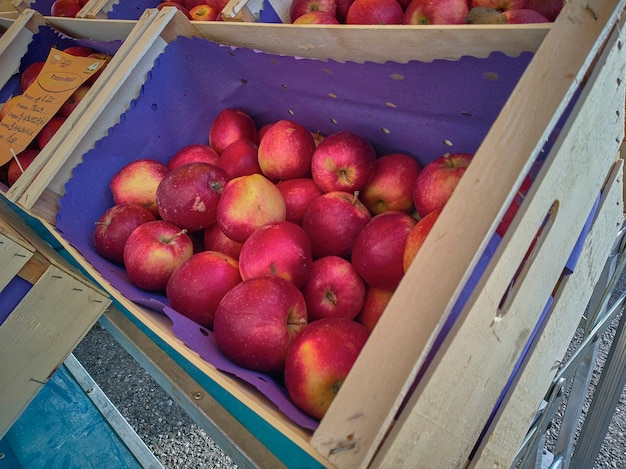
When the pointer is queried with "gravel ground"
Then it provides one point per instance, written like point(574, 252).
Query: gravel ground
point(179, 443)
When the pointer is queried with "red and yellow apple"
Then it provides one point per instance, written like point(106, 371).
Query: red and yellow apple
point(137, 182)
point(229, 125)
point(298, 194)
point(374, 304)
point(240, 158)
point(379, 12)
point(193, 153)
point(214, 239)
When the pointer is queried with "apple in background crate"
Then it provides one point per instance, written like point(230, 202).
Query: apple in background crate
point(30, 74)
point(114, 226)
point(285, 151)
point(188, 195)
point(197, 286)
point(343, 161)
point(66, 8)
point(333, 221)
point(137, 182)
point(48, 131)
point(334, 289)
point(193, 153)
point(230, 125)
point(316, 17)
point(240, 158)
point(391, 187)
point(74, 100)
point(301, 7)
point(280, 248)
point(375, 12)
point(153, 251)
point(424, 12)
point(378, 251)
point(257, 320)
point(548, 8)
point(246, 204)
point(298, 194)
point(319, 360)
point(437, 180)
point(204, 12)
point(8, 105)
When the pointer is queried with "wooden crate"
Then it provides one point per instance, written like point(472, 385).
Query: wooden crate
point(57, 309)
point(381, 416)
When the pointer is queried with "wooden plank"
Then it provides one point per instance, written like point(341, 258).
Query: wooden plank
point(13, 257)
point(357, 421)
point(454, 399)
point(96, 29)
point(505, 438)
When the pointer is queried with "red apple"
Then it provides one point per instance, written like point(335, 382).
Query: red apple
point(113, 228)
point(300, 7)
point(153, 251)
point(342, 10)
point(334, 289)
point(417, 236)
point(298, 194)
point(424, 12)
point(29, 75)
point(49, 130)
point(319, 360)
point(229, 125)
point(240, 158)
point(524, 16)
point(79, 51)
point(194, 153)
point(257, 320)
point(316, 17)
point(137, 182)
point(285, 151)
point(548, 8)
point(499, 5)
point(197, 286)
point(437, 180)
point(375, 12)
point(280, 248)
point(333, 221)
point(214, 239)
point(204, 12)
point(74, 100)
point(8, 105)
point(391, 187)
point(247, 203)
point(66, 8)
point(176, 5)
point(15, 170)
point(378, 251)
point(374, 304)
point(343, 161)
point(188, 195)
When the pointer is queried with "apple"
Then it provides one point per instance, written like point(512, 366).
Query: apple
point(196, 152)
point(113, 228)
point(298, 194)
point(153, 251)
point(514, 206)
point(25, 158)
point(334, 289)
point(188, 195)
point(79, 51)
point(176, 5)
point(300, 7)
point(65, 8)
point(280, 248)
point(319, 360)
point(374, 304)
point(417, 236)
point(229, 125)
point(257, 320)
point(247, 203)
point(437, 180)
point(49, 130)
point(8, 105)
point(240, 158)
point(375, 12)
point(548, 8)
point(342, 10)
point(333, 221)
point(391, 187)
point(285, 151)
point(524, 16)
point(425, 12)
point(499, 5)
point(214, 239)
point(137, 182)
point(29, 75)
point(197, 286)
point(378, 251)
point(316, 17)
point(343, 161)
point(204, 12)
point(74, 100)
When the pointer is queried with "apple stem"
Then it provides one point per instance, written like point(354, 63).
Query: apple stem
point(19, 165)
point(330, 296)
point(180, 233)
point(356, 197)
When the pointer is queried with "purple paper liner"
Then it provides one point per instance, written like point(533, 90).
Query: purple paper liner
point(416, 108)
point(131, 10)
point(11, 295)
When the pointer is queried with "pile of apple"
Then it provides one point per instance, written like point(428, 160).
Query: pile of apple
point(286, 244)
point(197, 10)
point(10, 172)
point(424, 12)
point(67, 8)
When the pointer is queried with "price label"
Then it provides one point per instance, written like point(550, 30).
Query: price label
point(60, 76)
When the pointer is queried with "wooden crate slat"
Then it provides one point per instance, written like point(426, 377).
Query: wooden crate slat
point(15, 40)
point(13, 256)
